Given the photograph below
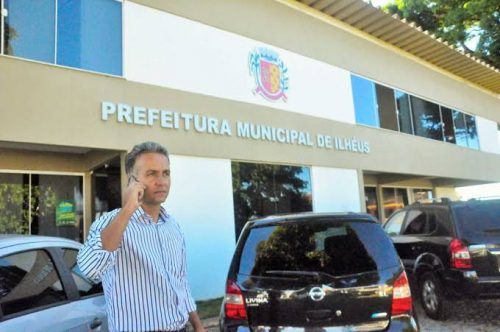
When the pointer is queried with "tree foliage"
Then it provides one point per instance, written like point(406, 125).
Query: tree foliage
point(459, 22)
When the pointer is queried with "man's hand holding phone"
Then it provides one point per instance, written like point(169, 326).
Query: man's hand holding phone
point(134, 193)
point(112, 234)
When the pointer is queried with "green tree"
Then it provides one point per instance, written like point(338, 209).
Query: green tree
point(458, 22)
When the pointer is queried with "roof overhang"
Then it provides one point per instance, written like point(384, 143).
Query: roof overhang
point(409, 38)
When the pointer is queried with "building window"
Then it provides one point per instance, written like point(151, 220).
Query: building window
point(394, 199)
point(448, 127)
point(426, 119)
point(382, 107)
point(88, 34)
point(386, 107)
point(422, 194)
point(29, 29)
point(404, 112)
point(263, 189)
point(460, 128)
point(371, 201)
point(41, 204)
point(472, 139)
point(465, 130)
point(365, 101)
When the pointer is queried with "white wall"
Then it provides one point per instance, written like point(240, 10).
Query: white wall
point(201, 200)
point(335, 190)
point(487, 131)
point(447, 192)
point(167, 50)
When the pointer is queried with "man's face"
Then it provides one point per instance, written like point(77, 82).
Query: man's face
point(153, 171)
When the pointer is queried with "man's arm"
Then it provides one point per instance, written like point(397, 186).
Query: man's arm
point(106, 234)
point(195, 321)
point(92, 259)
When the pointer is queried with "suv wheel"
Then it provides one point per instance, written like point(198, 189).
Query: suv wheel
point(432, 297)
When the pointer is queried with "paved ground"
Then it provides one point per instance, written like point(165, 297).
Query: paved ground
point(474, 316)
point(479, 316)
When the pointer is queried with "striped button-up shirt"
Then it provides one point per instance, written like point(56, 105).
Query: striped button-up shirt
point(144, 280)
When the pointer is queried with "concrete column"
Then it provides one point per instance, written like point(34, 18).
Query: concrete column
point(88, 195)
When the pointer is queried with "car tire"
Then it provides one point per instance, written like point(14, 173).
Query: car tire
point(432, 297)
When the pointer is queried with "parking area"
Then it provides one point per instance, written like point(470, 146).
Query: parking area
point(480, 316)
point(464, 316)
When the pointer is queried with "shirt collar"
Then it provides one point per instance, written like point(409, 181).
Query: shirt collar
point(142, 217)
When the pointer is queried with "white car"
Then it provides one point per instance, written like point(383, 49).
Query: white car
point(42, 289)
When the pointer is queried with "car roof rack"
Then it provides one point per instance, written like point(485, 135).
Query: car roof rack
point(433, 200)
point(483, 198)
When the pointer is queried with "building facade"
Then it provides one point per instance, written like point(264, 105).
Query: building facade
point(265, 106)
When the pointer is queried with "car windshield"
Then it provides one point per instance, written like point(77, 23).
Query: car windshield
point(328, 248)
point(481, 217)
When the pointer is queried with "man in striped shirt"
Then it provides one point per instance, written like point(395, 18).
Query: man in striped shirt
point(139, 252)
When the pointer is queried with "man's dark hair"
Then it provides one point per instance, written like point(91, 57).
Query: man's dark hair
point(146, 147)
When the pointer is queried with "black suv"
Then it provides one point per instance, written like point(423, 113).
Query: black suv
point(314, 272)
point(450, 250)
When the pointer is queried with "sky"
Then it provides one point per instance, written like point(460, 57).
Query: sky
point(485, 190)
point(378, 3)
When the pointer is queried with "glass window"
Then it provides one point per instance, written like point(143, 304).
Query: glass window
point(14, 200)
point(439, 222)
point(472, 138)
point(386, 107)
point(335, 247)
point(426, 119)
point(29, 280)
point(263, 189)
point(365, 101)
point(448, 127)
point(416, 222)
point(394, 199)
point(393, 226)
point(30, 29)
point(90, 35)
point(85, 286)
point(402, 196)
point(54, 208)
point(404, 112)
point(371, 201)
point(478, 220)
point(58, 204)
point(422, 194)
point(460, 128)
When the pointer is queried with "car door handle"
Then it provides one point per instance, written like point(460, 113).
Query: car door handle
point(95, 323)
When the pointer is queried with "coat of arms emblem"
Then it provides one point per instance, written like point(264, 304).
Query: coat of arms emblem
point(270, 74)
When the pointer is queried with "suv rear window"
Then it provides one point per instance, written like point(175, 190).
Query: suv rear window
point(336, 247)
point(480, 217)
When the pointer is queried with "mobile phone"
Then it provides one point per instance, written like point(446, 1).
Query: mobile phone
point(132, 177)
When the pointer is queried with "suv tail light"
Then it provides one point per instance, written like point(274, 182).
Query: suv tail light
point(401, 296)
point(234, 306)
point(460, 256)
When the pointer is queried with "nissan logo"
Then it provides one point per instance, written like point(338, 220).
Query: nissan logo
point(317, 294)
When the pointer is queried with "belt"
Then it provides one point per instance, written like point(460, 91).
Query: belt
point(181, 330)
